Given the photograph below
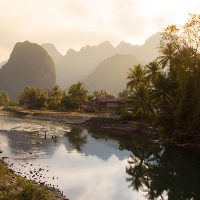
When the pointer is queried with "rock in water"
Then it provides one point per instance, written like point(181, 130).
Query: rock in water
point(29, 65)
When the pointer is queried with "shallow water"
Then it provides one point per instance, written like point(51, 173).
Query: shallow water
point(88, 164)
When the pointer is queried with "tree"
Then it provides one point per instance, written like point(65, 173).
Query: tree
point(124, 94)
point(69, 103)
point(153, 69)
point(176, 39)
point(137, 76)
point(4, 98)
point(55, 96)
point(179, 109)
point(78, 93)
point(33, 98)
point(102, 94)
point(139, 85)
point(142, 104)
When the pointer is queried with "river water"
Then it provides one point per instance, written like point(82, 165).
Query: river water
point(88, 164)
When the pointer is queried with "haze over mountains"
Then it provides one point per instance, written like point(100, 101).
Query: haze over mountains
point(78, 65)
point(111, 74)
point(99, 67)
point(29, 65)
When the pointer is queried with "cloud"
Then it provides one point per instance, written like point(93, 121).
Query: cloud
point(71, 24)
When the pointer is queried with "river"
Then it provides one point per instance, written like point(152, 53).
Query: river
point(88, 163)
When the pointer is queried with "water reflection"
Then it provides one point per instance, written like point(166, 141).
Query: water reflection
point(77, 138)
point(89, 161)
point(23, 143)
point(167, 173)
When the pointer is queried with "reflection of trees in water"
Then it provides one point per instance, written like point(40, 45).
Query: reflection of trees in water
point(164, 174)
point(161, 173)
point(77, 138)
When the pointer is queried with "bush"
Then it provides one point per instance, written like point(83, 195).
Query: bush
point(69, 103)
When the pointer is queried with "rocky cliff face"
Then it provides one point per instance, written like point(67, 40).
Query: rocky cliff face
point(29, 65)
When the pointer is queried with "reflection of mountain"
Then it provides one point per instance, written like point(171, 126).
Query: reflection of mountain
point(103, 148)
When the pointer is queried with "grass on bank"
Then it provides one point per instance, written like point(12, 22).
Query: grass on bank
point(13, 187)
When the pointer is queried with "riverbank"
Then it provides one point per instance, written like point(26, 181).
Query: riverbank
point(106, 123)
point(49, 115)
point(15, 187)
point(102, 121)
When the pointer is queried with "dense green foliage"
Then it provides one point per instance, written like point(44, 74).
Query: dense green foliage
point(168, 90)
point(77, 91)
point(4, 98)
point(54, 98)
point(33, 98)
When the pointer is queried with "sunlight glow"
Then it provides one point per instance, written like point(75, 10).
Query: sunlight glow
point(73, 24)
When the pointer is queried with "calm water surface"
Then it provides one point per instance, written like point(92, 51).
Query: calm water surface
point(88, 164)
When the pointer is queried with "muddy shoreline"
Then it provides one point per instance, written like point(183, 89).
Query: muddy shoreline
point(127, 128)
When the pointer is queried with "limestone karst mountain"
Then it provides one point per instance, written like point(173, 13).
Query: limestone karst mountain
point(111, 74)
point(29, 65)
point(146, 52)
point(53, 52)
point(2, 63)
point(78, 65)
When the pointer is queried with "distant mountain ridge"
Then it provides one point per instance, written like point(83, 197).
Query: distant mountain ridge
point(29, 65)
point(111, 74)
point(78, 65)
point(100, 67)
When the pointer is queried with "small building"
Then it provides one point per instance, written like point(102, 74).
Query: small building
point(108, 103)
point(111, 104)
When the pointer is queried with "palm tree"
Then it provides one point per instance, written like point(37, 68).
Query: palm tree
point(137, 77)
point(78, 93)
point(168, 55)
point(153, 69)
point(162, 90)
point(77, 138)
point(143, 106)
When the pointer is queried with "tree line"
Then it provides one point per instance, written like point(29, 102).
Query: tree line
point(58, 99)
point(167, 90)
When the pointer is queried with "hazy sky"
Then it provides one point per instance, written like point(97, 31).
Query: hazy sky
point(76, 23)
